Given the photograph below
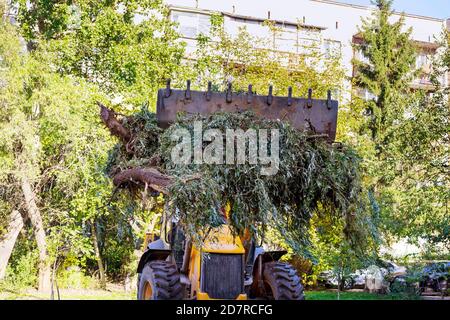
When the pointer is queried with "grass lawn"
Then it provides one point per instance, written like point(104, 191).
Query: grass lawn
point(68, 295)
point(113, 292)
point(332, 295)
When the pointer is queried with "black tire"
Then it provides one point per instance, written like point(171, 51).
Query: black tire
point(442, 286)
point(282, 282)
point(160, 280)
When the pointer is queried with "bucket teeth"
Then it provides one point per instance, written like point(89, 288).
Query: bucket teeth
point(208, 93)
point(229, 93)
point(289, 101)
point(168, 90)
point(270, 96)
point(309, 103)
point(303, 113)
point(329, 99)
point(187, 94)
point(250, 94)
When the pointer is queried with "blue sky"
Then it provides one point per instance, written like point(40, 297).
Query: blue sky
point(432, 8)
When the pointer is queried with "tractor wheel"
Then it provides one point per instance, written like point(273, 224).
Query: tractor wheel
point(282, 282)
point(160, 280)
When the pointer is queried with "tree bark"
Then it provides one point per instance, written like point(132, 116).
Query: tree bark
point(39, 232)
point(101, 269)
point(146, 176)
point(116, 128)
point(9, 240)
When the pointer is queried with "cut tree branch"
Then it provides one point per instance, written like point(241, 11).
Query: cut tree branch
point(146, 176)
point(109, 118)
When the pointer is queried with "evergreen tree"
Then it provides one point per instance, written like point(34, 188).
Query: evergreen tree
point(387, 72)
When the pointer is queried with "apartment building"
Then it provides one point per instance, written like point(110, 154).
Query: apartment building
point(331, 24)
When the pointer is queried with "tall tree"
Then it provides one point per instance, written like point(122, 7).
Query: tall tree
point(384, 67)
point(386, 72)
point(52, 151)
point(20, 141)
point(422, 144)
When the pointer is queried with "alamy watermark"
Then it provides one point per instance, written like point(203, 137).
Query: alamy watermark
point(231, 151)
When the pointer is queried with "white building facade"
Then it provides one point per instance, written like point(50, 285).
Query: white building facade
point(334, 24)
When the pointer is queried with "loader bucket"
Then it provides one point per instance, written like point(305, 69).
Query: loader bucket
point(315, 115)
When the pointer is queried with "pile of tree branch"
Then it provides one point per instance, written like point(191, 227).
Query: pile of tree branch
point(313, 177)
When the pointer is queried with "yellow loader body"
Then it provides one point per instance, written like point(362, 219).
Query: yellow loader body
point(219, 241)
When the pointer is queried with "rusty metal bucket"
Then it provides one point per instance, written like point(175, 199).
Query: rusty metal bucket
point(318, 116)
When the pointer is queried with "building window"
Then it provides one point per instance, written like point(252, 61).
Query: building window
point(365, 94)
point(331, 48)
point(361, 57)
point(286, 38)
point(191, 25)
point(422, 61)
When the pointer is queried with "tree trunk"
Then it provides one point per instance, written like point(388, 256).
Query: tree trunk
point(9, 240)
point(98, 257)
point(36, 220)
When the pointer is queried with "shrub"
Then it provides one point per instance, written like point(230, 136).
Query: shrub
point(23, 272)
point(72, 277)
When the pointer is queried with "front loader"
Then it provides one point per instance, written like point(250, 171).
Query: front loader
point(226, 266)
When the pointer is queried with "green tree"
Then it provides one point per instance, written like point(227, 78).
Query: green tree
point(128, 48)
point(422, 145)
point(20, 143)
point(386, 73)
point(52, 151)
point(43, 18)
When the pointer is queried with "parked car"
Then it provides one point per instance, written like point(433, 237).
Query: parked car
point(435, 276)
point(357, 280)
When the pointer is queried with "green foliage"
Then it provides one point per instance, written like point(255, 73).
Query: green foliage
point(145, 131)
point(125, 47)
point(50, 134)
point(339, 256)
point(43, 18)
point(22, 271)
point(74, 278)
point(408, 286)
point(421, 147)
point(401, 134)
